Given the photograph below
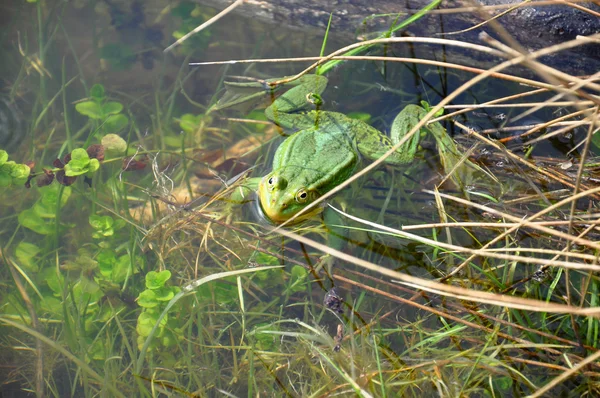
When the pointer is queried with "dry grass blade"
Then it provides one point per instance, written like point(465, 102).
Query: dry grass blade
point(526, 222)
point(492, 7)
point(541, 126)
point(206, 24)
point(493, 225)
point(574, 86)
point(564, 376)
point(486, 252)
point(448, 290)
point(470, 69)
point(547, 173)
point(499, 15)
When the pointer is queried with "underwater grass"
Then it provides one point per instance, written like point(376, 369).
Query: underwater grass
point(472, 334)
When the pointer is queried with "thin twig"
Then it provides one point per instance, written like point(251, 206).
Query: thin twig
point(206, 24)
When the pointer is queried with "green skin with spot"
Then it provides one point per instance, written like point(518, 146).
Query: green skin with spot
point(328, 148)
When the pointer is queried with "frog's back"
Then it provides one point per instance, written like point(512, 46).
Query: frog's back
point(317, 158)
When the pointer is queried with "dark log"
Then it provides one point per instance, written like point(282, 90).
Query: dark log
point(534, 27)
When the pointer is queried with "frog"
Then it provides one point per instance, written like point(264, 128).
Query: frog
point(328, 147)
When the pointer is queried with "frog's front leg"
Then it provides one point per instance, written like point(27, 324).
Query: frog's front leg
point(461, 171)
point(376, 144)
point(286, 110)
point(244, 192)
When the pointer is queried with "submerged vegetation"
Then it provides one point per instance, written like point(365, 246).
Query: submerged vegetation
point(134, 263)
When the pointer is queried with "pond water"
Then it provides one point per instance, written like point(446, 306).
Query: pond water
point(130, 270)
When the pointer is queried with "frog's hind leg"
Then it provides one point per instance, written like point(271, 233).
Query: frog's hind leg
point(373, 144)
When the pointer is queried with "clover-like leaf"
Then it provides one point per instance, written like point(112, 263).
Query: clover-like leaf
point(121, 269)
point(31, 220)
point(298, 279)
point(190, 123)
point(91, 109)
point(106, 262)
point(112, 108)
point(156, 280)
point(79, 163)
point(5, 177)
point(113, 145)
point(26, 253)
point(97, 92)
point(164, 293)
point(3, 156)
point(115, 123)
point(20, 173)
point(147, 299)
point(103, 226)
point(93, 167)
point(145, 323)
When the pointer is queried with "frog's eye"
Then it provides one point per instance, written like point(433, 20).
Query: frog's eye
point(272, 181)
point(301, 196)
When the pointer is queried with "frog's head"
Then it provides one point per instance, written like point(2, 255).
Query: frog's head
point(280, 199)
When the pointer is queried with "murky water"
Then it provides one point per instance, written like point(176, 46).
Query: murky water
point(92, 259)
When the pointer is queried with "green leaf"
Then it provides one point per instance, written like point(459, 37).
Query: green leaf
point(79, 163)
point(5, 174)
point(79, 154)
point(91, 109)
point(12, 173)
point(121, 269)
point(20, 172)
point(112, 108)
point(103, 225)
point(52, 305)
point(47, 204)
point(97, 92)
point(145, 323)
point(100, 223)
point(113, 145)
point(265, 259)
point(87, 291)
point(97, 351)
point(115, 123)
point(164, 293)
point(156, 280)
point(3, 156)
point(190, 123)
point(26, 253)
point(53, 279)
point(5, 179)
point(30, 219)
point(93, 167)
point(147, 299)
point(106, 262)
point(52, 194)
point(298, 279)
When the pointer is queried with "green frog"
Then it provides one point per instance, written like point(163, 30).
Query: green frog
point(329, 147)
